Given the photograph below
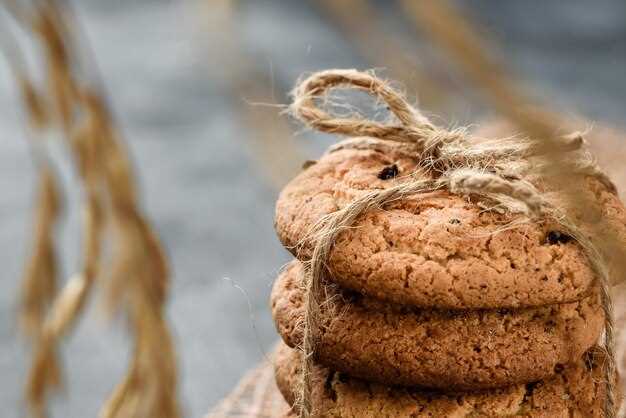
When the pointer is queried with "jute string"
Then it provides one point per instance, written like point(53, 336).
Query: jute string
point(495, 170)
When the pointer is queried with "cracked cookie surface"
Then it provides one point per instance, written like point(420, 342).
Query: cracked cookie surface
point(473, 349)
point(432, 249)
point(574, 391)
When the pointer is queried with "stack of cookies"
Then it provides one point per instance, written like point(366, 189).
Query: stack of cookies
point(435, 306)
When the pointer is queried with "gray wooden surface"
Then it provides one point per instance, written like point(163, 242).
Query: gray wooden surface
point(204, 189)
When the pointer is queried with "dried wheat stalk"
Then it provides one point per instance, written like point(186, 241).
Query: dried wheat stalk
point(138, 276)
point(39, 284)
point(271, 142)
point(359, 21)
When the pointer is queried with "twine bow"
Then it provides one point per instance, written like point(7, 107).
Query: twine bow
point(493, 169)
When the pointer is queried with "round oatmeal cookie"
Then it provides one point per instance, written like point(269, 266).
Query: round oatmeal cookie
point(573, 391)
point(473, 349)
point(432, 249)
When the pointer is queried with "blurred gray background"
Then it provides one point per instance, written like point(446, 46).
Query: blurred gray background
point(184, 91)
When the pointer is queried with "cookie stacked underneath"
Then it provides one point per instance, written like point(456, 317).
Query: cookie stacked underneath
point(435, 305)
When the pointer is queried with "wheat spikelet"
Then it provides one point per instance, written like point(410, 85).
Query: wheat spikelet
point(137, 278)
point(40, 277)
point(271, 142)
point(360, 22)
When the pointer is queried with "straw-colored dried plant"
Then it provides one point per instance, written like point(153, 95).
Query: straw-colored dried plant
point(40, 278)
point(272, 145)
point(361, 23)
point(135, 273)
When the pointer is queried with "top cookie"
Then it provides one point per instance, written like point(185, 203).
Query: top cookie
point(431, 249)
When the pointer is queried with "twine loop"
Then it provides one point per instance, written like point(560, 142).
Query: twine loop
point(413, 127)
point(492, 169)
